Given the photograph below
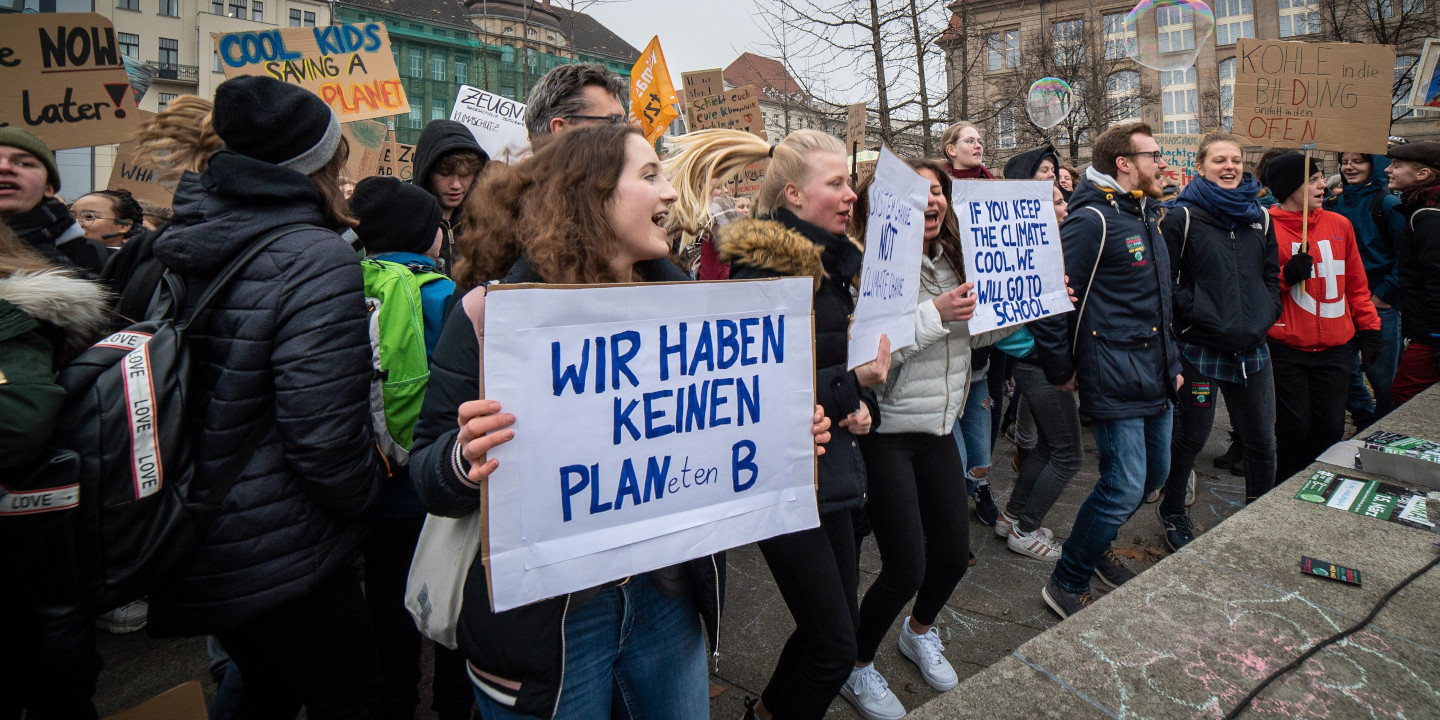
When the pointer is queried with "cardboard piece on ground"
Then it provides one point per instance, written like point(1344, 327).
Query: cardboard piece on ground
point(855, 128)
point(367, 145)
point(141, 180)
point(1335, 96)
point(735, 109)
point(1179, 151)
point(61, 77)
point(498, 123)
point(182, 702)
point(349, 66)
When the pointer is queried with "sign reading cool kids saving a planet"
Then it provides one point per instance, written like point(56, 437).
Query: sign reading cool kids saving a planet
point(349, 66)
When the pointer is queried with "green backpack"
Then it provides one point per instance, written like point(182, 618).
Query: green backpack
point(397, 352)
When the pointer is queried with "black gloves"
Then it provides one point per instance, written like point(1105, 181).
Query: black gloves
point(1298, 268)
point(1370, 346)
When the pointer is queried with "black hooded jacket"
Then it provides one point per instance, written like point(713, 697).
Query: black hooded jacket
point(1225, 283)
point(440, 137)
point(1024, 165)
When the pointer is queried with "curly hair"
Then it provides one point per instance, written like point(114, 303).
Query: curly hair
point(126, 208)
point(550, 208)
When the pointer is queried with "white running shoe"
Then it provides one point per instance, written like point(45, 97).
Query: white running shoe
point(126, 618)
point(1039, 544)
point(1004, 523)
point(870, 694)
point(927, 652)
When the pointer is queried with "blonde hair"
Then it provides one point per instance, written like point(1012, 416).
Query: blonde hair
point(1211, 138)
point(952, 136)
point(179, 138)
point(705, 159)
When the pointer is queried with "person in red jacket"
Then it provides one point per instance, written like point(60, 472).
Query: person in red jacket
point(1325, 304)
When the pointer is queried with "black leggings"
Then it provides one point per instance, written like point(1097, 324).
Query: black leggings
point(818, 575)
point(917, 509)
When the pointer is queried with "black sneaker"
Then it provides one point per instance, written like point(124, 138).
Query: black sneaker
point(985, 506)
point(1062, 601)
point(1178, 531)
point(1112, 570)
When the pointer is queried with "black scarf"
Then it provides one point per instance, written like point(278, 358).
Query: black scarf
point(43, 225)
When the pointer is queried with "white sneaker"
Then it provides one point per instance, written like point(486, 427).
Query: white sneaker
point(927, 652)
point(1039, 544)
point(1004, 523)
point(1190, 489)
point(126, 618)
point(870, 694)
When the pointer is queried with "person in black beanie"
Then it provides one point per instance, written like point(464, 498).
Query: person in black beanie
point(286, 349)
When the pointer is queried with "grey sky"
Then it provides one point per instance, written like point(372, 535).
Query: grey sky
point(695, 34)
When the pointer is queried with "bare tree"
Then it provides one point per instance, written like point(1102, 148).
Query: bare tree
point(1403, 24)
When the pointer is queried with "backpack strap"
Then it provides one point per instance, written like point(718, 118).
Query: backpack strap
point(228, 274)
point(1104, 230)
point(1377, 210)
point(1184, 241)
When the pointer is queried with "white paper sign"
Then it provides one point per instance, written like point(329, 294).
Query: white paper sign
point(654, 424)
point(498, 123)
point(890, 277)
point(1012, 251)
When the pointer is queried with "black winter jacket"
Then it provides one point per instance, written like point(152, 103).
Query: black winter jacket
point(523, 644)
point(1024, 165)
point(290, 331)
point(788, 247)
point(1125, 360)
point(1225, 285)
point(1420, 276)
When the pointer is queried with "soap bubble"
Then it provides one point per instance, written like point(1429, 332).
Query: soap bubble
point(1049, 102)
point(1169, 33)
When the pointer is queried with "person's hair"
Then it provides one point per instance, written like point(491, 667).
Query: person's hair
point(705, 159)
point(332, 195)
point(179, 138)
point(1115, 143)
point(952, 135)
point(558, 94)
point(125, 207)
point(550, 208)
point(1210, 138)
point(1264, 161)
point(1067, 167)
point(949, 239)
point(16, 256)
point(458, 162)
point(159, 213)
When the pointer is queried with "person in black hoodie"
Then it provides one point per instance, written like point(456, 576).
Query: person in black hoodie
point(1035, 164)
point(286, 347)
point(29, 180)
point(447, 161)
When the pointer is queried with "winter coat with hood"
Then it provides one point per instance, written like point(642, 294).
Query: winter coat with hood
point(290, 333)
point(1025, 165)
point(525, 644)
point(786, 246)
point(1379, 246)
point(1419, 274)
point(1325, 310)
point(440, 137)
point(1122, 354)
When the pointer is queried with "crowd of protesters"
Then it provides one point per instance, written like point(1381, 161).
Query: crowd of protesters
point(1293, 302)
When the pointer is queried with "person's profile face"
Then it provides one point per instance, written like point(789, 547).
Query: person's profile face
point(640, 203)
point(24, 181)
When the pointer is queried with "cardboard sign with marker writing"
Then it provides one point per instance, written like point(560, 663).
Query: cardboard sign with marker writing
point(349, 66)
point(700, 84)
point(61, 77)
point(734, 109)
point(1179, 152)
point(855, 128)
point(367, 146)
point(397, 160)
point(143, 180)
point(1334, 95)
point(751, 178)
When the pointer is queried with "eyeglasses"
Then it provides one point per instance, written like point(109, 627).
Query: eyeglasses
point(1353, 163)
point(972, 142)
point(88, 217)
point(607, 119)
point(1154, 155)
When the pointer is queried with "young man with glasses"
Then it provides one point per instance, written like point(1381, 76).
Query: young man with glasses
point(1116, 348)
point(29, 180)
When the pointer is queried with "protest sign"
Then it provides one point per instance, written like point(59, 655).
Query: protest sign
point(367, 146)
point(1334, 96)
point(1179, 152)
point(1012, 251)
point(863, 170)
point(735, 109)
point(396, 160)
point(648, 432)
point(349, 66)
point(1425, 81)
point(652, 96)
point(143, 180)
point(703, 83)
point(751, 178)
point(890, 275)
point(498, 123)
point(855, 128)
point(61, 77)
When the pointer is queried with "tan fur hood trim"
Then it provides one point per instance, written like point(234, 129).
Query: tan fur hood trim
point(79, 307)
point(769, 245)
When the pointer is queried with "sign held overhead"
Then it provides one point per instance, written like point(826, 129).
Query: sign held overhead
point(1330, 96)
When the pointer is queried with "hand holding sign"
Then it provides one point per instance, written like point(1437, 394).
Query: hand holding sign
point(958, 305)
point(875, 371)
point(482, 428)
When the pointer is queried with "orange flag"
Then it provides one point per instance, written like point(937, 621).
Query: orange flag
point(652, 96)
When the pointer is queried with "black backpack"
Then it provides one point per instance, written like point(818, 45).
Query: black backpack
point(108, 514)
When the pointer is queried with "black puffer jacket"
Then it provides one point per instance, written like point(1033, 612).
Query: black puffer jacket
point(1420, 275)
point(1225, 284)
point(290, 329)
point(524, 644)
point(789, 247)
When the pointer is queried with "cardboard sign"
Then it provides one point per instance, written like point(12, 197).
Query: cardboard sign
point(855, 128)
point(734, 109)
point(367, 146)
point(1334, 96)
point(890, 275)
point(349, 66)
point(498, 123)
point(1425, 81)
point(397, 160)
point(864, 170)
point(1179, 152)
point(751, 178)
point(143, 180)
point(61, 77)
point(648, 432)
point(1012, 251)
point(652, 97)
point(703, 83)
point(182, 702)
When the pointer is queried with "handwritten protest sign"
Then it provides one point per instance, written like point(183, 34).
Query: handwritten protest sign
point(700, 84)
point(397, 160)
point(863, 170)
point(146, 181)
point(855, 128)
point(366, 139)
point(751, 178)
point(498, 123)
point(61, 77)
point(647, 433)
point(1012, 251)
point(890, 275)
point(1334, 95)
point(1179, 152)
point(735, 109)
point(349, 66)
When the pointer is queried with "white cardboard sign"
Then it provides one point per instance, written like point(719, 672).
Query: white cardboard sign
point(1012, 251)
point(498, 123)
point(890, 277)
point(654, 424)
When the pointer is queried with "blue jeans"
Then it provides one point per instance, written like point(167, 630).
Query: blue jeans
point(1134, 459)
point(972, 434)
point(633, 650)
point(1363, 409)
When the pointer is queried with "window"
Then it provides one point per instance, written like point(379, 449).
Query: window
point(417, 120)
point(257, 11)
point(507, 58)
point(238, 9)
point(462, 72)
point(294, 18)
point(170, 8)
point(1404, 79)
point(1234, 19)
point(437, 67)
point(130, 45)
point(1179, 101)
point(166, 99)
point(508, 91)
point(1227, 94)
point(1069, 36)
point(1122, 89)
point(128, 5)
point(1177, 29)
point(309, 19)
point(1298, 17)
point(508, 31)
point(529, 32)
point(1006, 127)
point(532, 60)
point(169, 52)
point(437, 110)
point(1119, 36)
point(217, 7)
point(1004, 50)
point(417, 64)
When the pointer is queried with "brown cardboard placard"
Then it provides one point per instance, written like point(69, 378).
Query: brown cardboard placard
point(699, 84)
point(1179, 152)
point(61, 78)
point(366, 139)
point(397, 160)
point(182, 702)
point(145, 181)
point(349, 66)
point(1332, 96)
point(735, 109)
point(855, 128)
point(751, 178)
point(864, 170)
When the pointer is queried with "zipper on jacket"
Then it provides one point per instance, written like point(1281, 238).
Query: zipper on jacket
point(561, 689)
point(718, 611)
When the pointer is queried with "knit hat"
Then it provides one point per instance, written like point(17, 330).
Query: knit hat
point(1425, 153)
point(394, 216)
point(1285, 174)
point(25, 140)
point(276, 122)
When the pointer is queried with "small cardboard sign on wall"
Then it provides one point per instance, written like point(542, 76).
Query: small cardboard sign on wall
point(1334, 96)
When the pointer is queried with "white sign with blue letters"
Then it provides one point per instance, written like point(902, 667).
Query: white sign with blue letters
point(1012, 251)
point(890, 278)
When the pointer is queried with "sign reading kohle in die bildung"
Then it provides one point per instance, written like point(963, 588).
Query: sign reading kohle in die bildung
point(62, 78)
point(1331, 96)
point(1012, 251)
point(890, 275)
point(646, 433)
point(349, 66)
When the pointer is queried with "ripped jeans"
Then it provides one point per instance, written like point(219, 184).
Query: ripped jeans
point(972, 435)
